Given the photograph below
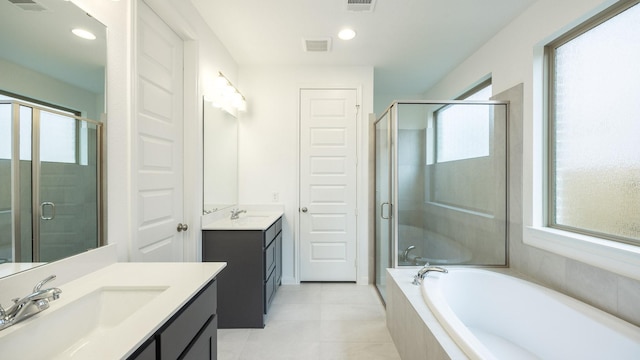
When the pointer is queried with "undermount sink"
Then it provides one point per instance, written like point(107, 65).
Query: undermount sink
point(62, 333)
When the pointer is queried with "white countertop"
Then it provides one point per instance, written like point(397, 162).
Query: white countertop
point(180, 281)
point(251, 220)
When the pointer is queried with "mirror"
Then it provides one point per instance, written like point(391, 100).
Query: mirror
point(42, 62)
point(220, 159)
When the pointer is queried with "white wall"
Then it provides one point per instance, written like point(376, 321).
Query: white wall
point(268, 153)
point(20, 80)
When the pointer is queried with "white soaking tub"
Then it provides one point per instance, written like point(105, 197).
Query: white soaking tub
point(491, 315)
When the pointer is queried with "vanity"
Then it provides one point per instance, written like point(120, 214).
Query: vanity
point(251, 245)
point(124, 311)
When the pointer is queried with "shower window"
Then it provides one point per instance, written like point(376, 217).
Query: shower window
point(463, 132)
point(64, 140)
point(594, 126)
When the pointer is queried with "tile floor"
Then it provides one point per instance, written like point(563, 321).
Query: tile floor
point(328, 321)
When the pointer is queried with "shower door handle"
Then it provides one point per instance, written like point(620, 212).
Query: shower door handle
point(382, 210)
point(53, 210)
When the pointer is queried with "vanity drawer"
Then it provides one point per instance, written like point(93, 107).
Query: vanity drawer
point(186, 325)
point(279, 225)
point(270, 234)
point(269, 258)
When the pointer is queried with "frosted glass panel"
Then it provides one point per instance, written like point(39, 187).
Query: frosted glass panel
point(597, 129)
point(463, 132)
point(58, 140)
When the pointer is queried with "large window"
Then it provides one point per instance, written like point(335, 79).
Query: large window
point(594, 127)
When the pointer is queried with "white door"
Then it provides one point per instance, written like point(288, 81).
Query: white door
point(328, 162)
point(159, 140)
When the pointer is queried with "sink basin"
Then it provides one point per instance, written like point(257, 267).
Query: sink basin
point(62, 333)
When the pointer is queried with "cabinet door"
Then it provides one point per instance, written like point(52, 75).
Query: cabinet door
point(205, 346)
point(269, 291)
point(177, 336)
point(278, 244)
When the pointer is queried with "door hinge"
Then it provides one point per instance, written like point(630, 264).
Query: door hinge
point(357, 108)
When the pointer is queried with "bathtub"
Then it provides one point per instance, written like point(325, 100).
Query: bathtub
point(490, 315)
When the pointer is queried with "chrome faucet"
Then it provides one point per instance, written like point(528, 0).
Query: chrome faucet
point(29, 305)
point(422, 273)
point(405, 253)
point(235, 213)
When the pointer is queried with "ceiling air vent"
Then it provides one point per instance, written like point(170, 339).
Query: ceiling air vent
point(317, 45)
point(28, 5)
point(360, 5)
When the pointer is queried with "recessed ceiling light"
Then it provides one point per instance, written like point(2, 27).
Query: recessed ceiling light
point(83, 34)
point(346, 34)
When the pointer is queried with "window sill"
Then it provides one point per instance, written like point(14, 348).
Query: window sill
point(623, 259)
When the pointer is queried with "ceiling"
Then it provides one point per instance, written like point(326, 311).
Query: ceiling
point(410, 43)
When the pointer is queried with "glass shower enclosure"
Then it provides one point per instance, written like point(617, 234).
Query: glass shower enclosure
point(440, 185)
point(50, 189)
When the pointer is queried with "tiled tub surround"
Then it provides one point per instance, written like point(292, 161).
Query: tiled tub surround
point(415, 331)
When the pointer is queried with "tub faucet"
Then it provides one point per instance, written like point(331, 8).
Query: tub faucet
point(405, 253)
point(422, 273)
point(29, 305)
point(235, 213)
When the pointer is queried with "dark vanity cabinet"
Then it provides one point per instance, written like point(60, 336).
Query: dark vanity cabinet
point(190, 334)
point(253, 274)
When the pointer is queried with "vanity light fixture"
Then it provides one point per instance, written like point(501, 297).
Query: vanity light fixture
point(226, 96)
point(82, 33)
point(347, 34)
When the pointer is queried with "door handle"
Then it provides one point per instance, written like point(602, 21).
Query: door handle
point(304, 209)
point(183, 227)
point(382, 210)
point(53, 210)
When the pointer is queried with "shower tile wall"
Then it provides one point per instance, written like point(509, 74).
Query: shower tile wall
point(446, 234)
point(5, 210)
point(608, 291)
point(411, 194)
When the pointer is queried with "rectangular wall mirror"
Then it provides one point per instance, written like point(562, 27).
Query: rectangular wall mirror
point(220, 137)
point(59, 77)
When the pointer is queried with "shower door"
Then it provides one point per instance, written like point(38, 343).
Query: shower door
point(67, 197)
point(383, 210)
point(441, 185)
point(52, 202)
